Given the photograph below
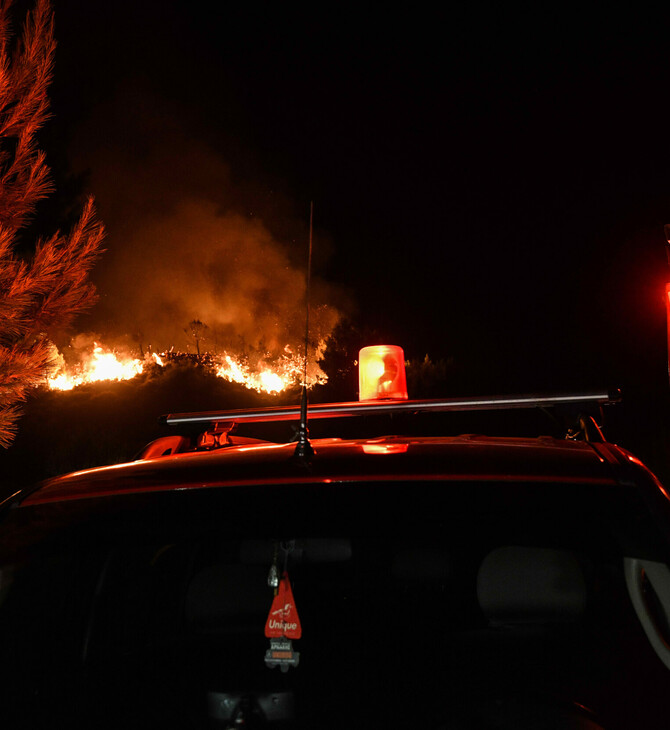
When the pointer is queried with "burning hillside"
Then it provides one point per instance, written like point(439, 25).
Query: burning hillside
point(200, 262)
point(95, 362)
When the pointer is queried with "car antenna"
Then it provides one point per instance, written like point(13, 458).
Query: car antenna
point(303, 450)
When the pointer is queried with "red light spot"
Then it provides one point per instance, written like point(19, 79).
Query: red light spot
point(381, 373)
point(384, 448)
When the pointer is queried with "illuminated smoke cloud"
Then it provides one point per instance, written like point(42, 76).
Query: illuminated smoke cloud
point(187, 243)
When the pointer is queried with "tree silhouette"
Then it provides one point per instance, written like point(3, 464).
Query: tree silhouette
point(43, 291)
point(196, 329)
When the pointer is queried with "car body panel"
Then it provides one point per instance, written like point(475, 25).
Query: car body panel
point(470, 457)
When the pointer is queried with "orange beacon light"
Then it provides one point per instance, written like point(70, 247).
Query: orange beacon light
point(381, 373)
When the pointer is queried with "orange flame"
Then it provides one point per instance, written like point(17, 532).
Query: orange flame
point(103, 363)
point(267, 378)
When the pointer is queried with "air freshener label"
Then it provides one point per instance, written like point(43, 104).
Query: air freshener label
point(281, 654)
point(283, 620)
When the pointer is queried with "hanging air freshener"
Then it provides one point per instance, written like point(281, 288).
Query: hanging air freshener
point(282, 625)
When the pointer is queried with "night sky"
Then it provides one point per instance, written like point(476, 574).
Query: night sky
point(489, 185)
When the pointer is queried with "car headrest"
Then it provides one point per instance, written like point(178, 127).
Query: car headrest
point(530, 585)
point(311, 550)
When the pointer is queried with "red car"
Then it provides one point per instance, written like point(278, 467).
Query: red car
point(448, 581)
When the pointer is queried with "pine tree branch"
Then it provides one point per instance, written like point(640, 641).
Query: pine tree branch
point(9, 416)
point(47, 291)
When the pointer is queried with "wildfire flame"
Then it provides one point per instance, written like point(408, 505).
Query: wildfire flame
point(267, 379)
point(103, 363)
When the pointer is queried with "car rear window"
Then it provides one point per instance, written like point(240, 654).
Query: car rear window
point(151, 608)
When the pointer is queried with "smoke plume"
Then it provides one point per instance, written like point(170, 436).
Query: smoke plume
point(193, 238)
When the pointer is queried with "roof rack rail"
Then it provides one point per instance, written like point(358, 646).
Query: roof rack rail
point(380, 407)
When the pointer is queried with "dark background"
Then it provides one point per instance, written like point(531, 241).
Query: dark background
point(489, 184)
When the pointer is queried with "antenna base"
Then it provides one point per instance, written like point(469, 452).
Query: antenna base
point(303, 452)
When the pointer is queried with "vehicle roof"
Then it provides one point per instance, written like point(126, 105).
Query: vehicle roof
point(391, 458)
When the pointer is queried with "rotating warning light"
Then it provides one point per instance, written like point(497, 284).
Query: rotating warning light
point(381, 373)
